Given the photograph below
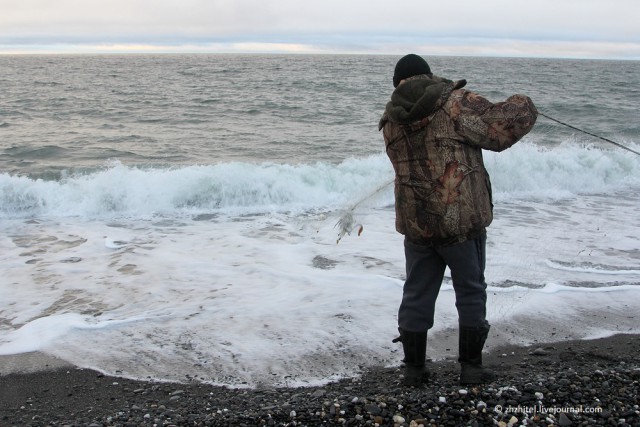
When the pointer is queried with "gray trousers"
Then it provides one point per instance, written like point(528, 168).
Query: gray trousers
point(425, 271)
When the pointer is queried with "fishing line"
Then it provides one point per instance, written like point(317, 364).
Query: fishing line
point(589, 133)
point(346, 224)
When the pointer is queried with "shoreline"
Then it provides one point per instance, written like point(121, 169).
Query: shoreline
point(577, 382)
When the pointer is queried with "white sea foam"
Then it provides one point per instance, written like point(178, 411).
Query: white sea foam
point(271, 299)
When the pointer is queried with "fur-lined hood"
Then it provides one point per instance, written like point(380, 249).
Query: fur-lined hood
point(418, 97)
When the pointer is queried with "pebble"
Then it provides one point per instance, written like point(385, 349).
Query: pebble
point(539, 352)
point(319, 393)
point(563, 420)
point(372, 408)
point(397, 419)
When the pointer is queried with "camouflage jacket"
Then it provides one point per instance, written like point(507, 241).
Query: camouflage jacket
point(434, 133)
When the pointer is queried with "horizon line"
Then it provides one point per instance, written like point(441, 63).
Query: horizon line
point(551, 49)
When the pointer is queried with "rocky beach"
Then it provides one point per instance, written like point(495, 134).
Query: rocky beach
point(570, 383)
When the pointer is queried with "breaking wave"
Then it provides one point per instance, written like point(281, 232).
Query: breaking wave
point(525, 171)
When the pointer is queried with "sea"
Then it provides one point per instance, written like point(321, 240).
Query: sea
point(179, 217)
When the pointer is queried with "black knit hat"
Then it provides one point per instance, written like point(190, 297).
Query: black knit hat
point(409, 66)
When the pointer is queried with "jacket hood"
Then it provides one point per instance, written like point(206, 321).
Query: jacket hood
point(418, 97)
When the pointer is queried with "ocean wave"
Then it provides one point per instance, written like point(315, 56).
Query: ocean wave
point(523, 172)
point(232, 187)
point(529, 170)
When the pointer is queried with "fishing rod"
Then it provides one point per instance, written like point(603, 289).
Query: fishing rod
point(589, 133)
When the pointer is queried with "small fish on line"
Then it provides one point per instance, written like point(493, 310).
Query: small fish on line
point(347, 225)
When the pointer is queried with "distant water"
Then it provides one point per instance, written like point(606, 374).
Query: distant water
point(171, 215)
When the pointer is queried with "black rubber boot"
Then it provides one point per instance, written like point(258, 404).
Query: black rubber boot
point(471, 344)
point(414, 345)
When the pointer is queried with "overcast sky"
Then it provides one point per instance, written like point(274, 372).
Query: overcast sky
point(540, 28)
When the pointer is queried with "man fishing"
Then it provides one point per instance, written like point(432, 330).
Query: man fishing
point(434, 133)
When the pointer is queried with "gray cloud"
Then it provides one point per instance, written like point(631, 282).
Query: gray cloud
point(330, 24)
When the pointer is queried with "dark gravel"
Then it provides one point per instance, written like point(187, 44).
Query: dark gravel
point(574, 383)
